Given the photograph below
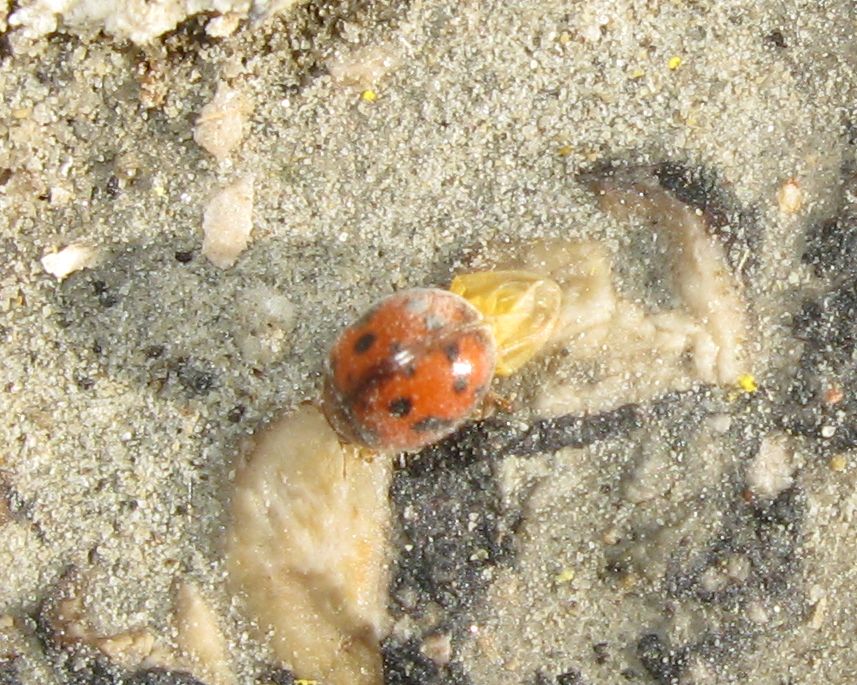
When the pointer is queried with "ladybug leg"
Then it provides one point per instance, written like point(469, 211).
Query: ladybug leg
point(366, 454)
point(495, 402)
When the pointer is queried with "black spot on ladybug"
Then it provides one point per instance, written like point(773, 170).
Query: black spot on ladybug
point(364, 342)
point(430, 424)
point(400, 407)
point(452, 351)
point(460, 385)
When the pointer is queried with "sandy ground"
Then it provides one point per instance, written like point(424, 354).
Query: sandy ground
point(127, 387)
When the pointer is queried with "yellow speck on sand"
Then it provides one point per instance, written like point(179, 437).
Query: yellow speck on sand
point(369, 95)
point(838, 462)
point(674, 62)
point(565, 150)
point(564, 576)
point(747, 383)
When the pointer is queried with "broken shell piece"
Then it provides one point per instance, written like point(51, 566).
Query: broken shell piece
point(521, 308)
point(790, 197)
point(772, 469)
point(220, 125)
point(307, 550)
point(227, 223)
point(223, 25)
point(72, 258)
point(199, 636)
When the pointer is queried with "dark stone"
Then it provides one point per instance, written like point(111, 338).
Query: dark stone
point(776, 39)
point(112, 188)
point(154, 351)
point(194, 378)
point(105, 298)
point(236, 413)
point(183, 256)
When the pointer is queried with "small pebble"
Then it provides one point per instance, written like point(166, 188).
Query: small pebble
point(72, 258)
point(220, 126)
point(227, 223)
point(790, 197)
point(828, 431)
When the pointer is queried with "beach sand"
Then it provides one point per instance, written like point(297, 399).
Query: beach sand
point(129, 386)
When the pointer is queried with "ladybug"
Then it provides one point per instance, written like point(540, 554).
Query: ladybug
point(409, 371)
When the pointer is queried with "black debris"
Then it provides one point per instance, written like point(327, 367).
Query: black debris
point(194, 377)
point(9, 674)
point(277, 676)
point(662, 663)
point(405, 664)
point(159, 676)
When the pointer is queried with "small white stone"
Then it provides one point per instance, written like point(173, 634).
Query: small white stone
point(220, 125)
point(223, 25)
point(790, 197)
point(70, 259)
point(60, 196)
point(828, 431)
point(771, 470)
point(720, 423)
point(438, 648)
point(227, 222)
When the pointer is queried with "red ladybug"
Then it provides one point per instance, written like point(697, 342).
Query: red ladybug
point(410, 371)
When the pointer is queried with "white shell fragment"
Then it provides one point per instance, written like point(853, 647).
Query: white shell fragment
point(220, 125)
point(772, 469)
point(364, 67)
point(70, 259)
point(227, 222)
point(790, 197)
point(199, 637)
point(307, 550)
